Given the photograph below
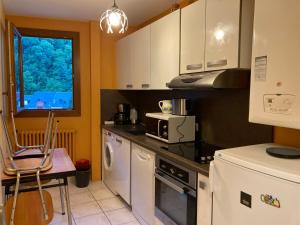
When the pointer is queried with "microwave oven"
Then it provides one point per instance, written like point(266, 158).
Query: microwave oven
point(170, 128)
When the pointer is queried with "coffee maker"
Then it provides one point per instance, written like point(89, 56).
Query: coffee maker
point(123, 114)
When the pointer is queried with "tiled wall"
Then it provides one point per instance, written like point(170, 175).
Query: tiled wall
point(222, 114)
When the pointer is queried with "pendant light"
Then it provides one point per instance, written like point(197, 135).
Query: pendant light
point(114, 19)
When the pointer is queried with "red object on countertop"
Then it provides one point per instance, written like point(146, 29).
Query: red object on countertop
point(82, 164)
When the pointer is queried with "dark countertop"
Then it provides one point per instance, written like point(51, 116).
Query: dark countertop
point(155, 146)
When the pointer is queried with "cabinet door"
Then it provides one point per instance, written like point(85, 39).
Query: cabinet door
point(124, 78)
point(165, 50)
point(204, 201)
point(192, 38)
point(274, 92)
point(142, 184)
point(140, 58)
point(222, 34)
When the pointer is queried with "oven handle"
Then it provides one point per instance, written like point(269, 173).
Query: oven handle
point(158, 128)
point(169, 183)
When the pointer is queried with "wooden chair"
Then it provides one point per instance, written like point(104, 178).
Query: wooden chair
point(28, 165)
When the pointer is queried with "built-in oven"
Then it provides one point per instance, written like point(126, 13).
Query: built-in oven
point(175, 193)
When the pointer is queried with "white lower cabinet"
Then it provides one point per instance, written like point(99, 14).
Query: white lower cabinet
point(142, 184)
point(204, 201)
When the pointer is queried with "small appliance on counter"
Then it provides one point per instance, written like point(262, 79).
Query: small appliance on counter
point(181, 106)
point(133, 116)
point(122, 115)
point(170, 128)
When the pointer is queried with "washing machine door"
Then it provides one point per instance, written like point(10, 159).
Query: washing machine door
point(108, 157)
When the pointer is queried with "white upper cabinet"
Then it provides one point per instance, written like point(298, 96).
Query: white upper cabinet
point(165, 50)
point(274, 92)
point(140, 58)
point(192, 38)
point(133, 60)
point(124, 79)
point(228, 34)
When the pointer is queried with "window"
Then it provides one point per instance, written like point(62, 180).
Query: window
point(44, 72)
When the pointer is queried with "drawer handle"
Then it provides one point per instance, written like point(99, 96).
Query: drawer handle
point(222, 62)
point(194, 66)
point(118, 140)
point(145, 85)
point(129, 86)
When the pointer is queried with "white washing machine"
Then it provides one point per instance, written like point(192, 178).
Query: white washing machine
point(108, 161)
point(116, 164)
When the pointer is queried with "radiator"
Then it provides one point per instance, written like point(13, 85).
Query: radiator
point(64, 139)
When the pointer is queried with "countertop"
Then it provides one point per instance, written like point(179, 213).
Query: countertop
point(156, 146)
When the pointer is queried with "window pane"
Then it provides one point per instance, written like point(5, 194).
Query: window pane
point(47, 73)
point(17, 70)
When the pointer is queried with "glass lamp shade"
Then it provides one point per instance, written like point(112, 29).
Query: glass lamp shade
point(114, 19)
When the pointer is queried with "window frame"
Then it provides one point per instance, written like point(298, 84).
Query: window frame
point(43, 33)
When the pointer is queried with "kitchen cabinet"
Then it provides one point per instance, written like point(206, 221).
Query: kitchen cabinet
point(204, 201)
point(142, 184)
point(140, 58)
point(228, 34)
point(121, 148)
point(274, 91)
point(133, 60)
point(165, 35)
point(192, 38)
point(124, 76)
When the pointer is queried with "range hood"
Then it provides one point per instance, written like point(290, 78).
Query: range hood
point(231, 78)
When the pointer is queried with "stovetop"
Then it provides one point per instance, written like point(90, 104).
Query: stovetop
point(199, 152)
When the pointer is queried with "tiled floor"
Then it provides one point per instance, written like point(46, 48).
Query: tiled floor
point(94, 205)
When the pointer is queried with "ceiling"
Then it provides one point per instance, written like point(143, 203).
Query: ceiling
point(138, 11)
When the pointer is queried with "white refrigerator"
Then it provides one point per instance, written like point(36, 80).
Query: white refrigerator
point(250, 187)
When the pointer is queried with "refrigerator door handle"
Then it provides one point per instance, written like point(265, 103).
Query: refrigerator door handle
point(211, 176)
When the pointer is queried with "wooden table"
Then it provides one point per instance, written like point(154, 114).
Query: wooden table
point(62, 168)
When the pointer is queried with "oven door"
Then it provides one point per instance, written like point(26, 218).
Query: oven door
point(175, 203)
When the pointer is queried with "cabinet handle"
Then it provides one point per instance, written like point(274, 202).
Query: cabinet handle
point(222, 62)
point(194, 66)
point(118, 140)
point(129, 86)
point(202, 185)
point(145, 85)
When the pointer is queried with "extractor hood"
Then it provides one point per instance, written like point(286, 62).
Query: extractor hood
point(230, 78)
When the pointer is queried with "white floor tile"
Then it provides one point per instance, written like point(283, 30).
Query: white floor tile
point(59, 219)
point(81, 197)
point(97, 219)
point(102, 193)
point(96, 185)
point(132, 223)
point(111, 204)
point(120, 216)
point(86, 209)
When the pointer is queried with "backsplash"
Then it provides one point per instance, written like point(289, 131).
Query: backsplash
point(222, 115)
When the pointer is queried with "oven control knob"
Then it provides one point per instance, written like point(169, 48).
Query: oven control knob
point(209, 158)
point(165, 127)
point(180, 175)
point(172, 170)
point(165, 134)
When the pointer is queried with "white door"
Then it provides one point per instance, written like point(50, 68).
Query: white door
point(204, 201)
point(165, 50)
point(192, 38)
point(124, 77)
point(274, 93)
point(122, 167)
point(142, 184)
point(140, 58)
point(246, 197)
point(222, 34)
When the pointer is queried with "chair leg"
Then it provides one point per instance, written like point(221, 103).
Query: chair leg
point(12, 216)
point(68, 202)
point(41, 195)
point(62, 201)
